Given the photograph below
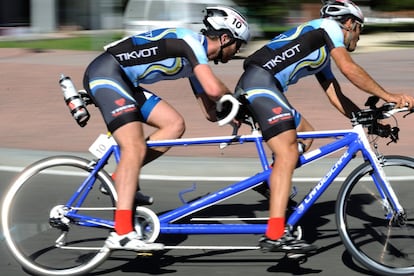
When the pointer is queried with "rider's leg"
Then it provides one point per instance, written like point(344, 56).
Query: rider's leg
point(276, 238)
point(130, 139)
point(285, 148)
point(106, 84)
point(304, 125)
point(169, 124)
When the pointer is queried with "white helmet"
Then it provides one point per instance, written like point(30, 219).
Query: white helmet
point(221, 19)
point(340, 9)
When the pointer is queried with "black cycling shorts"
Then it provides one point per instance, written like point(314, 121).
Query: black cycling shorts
point(119, 101)
point(266, 102)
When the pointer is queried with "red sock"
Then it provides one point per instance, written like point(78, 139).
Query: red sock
point(123, 222)
point(275, 228)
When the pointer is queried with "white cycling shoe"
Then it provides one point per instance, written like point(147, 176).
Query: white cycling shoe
point(130, 241)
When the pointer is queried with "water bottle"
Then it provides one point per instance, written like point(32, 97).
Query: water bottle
point(74, 101)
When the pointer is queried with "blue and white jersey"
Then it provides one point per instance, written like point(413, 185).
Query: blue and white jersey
point(299, 52)
point(163, 54)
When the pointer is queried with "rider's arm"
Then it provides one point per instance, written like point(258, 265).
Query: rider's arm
point(213, 87)
point(355, 73)
point(335, 95)
point(207, 105)
point(359, 77)
point(193, 51)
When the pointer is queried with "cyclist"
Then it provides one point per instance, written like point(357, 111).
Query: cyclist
point(301, 51)
point(114, 79)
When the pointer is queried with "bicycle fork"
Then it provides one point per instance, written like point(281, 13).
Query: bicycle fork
point(394, 212)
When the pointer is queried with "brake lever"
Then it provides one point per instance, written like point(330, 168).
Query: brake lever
point(394, 135)
point(411, 111)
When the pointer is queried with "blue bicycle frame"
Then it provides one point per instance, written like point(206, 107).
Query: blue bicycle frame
point(353, 140)
point(345, 138)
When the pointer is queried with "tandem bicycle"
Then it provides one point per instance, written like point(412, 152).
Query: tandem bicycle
point(58, 211)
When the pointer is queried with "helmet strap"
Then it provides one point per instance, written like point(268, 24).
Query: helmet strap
point(348, 41)
point(350, 34)
point(220, 54)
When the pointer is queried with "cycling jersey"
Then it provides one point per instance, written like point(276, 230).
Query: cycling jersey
point(113, 79)
point(162, 54)
point(304, 50)
point(301, 51)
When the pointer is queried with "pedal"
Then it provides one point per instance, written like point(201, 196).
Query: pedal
point(297, 257)
point(141, 199)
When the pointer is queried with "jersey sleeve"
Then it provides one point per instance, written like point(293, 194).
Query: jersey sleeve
point(325, 74)
point(181, 48)
point(334, 32)
point(193, 41)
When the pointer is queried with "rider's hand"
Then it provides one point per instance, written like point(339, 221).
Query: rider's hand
point(237, 123)
point(401, 100)
point(225, 110)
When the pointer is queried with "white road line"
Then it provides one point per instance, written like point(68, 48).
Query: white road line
point(206, 178)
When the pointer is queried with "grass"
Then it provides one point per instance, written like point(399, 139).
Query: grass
point(81, 42)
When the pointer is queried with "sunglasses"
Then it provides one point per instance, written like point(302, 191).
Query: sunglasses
point(361, 25)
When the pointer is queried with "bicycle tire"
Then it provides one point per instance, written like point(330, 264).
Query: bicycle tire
point(369, 236)
point(26, 212)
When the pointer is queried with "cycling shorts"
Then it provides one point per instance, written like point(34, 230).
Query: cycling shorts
point(119, 101)
point(268, 105)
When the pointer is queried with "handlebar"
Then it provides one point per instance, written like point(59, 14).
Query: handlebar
point(235, 106)
point(371, 117)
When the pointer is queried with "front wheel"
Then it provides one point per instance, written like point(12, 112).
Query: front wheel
point(36, 227)
point(375, 236)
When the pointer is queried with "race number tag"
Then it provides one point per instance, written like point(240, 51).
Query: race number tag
point(101, 145)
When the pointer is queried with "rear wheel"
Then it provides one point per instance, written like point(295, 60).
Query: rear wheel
point(35, 227)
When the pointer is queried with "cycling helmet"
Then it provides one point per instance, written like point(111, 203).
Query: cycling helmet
point(220, 20)
point(341, 9)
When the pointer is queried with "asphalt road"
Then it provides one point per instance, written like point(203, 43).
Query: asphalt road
point(318, 225)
